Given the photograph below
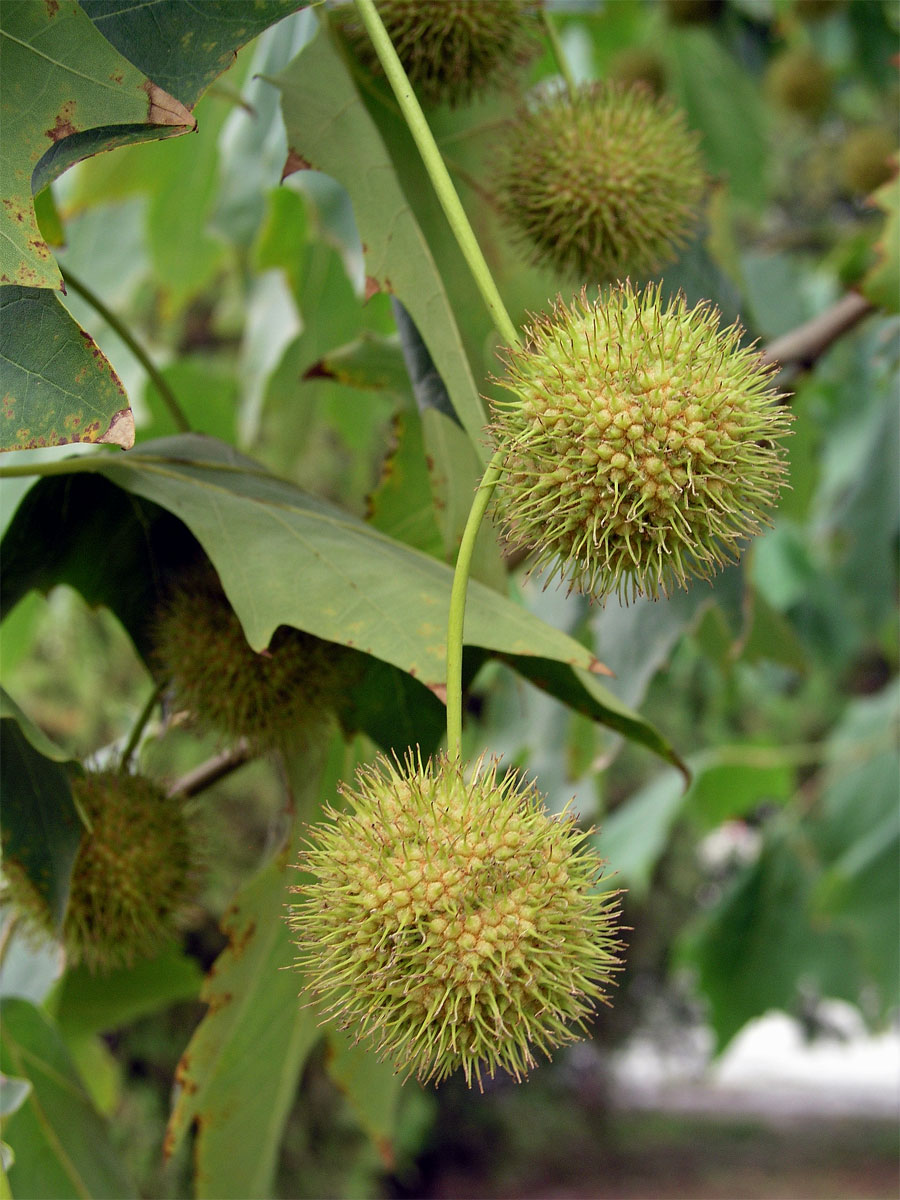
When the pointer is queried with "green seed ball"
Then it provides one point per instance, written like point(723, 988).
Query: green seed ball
point(868, 159)
point(227, 687)
point(134, 873)
point(607, 184)
point(641, 442)
point(451, 49)
point(798, 80)
point(452, 921)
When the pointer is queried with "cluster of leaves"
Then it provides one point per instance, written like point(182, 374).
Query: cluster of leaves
point(331, 354)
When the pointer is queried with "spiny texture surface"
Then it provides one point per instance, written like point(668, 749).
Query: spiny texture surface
point(604, 185)
point(134, 873)
point(453, 921)
point(225, 685)
point(451, 49)
point(642, 441)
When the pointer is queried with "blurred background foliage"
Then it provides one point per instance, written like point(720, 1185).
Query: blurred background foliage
point(772, 881)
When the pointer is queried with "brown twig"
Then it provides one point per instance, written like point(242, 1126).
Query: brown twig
point(809, 341)
point(211, 771)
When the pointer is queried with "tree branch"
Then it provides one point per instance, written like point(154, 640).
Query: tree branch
point(803, 345)
point(211, 771)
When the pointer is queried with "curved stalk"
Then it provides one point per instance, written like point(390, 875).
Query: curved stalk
point(139, 726)
point(176, 412)
point(437, 171)
point(456, 623)
point(559, 54)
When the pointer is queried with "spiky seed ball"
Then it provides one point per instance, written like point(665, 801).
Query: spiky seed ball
point(452, 921)
point(224, 685)
point(641, 442)
point(798, 80)
point(868, 159)
point(134, 873)
point(451, 49)
point(602, 185)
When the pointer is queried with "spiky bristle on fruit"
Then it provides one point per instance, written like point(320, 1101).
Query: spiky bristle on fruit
point(641, 440)
point(224, 685)
point(451, 50)
point(603, 185)
point(134, 873)
point(452, 921)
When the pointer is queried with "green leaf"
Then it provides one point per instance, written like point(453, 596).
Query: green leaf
point(634, 835)
point(401, 505)
point(882, 284)
point(86, 1003)
point(61, 1143)
point(41, 826)
point(184, 47)
point(731, 781)
point(329, 129)
point(239, 1073)
point(326, 572)
point(756, 945)
point(724, 105)
point(56, 385)
point(371, 1086)
point(63, 80)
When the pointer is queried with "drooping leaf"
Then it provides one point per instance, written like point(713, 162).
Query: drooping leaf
point(56, 385)
point(326, 572)
point(86, 1003)
point(753, 949)
point(238, 1076)
point(61, 1143)
point(724, 105)
point(371, 1086)
point(41, 826)
point(62, 80)
point(184, 47)
point(882, 284)
point(329, 129)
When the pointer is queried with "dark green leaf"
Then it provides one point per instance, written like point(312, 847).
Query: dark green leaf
point(240, 1071)
point(41, 827)
point(62, 79)
point(56, 385)
point(184, 47)
point(87, 1003)
point(61, 1143)
point(723, 103)
point(329, 129)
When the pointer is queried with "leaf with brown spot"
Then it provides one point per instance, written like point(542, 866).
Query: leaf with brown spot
point(62, 86)
point(238, 1077)
point(57, 386)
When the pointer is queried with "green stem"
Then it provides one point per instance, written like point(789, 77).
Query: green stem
point(166, 394)
point(559, 54)
point(457, 619)
point(437, 171)
point(139, 726)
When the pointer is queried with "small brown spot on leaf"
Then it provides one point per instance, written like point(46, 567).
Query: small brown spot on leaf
point(372, 286)
point(294, 162)
point(64, 124)
point(240, 941)
point(440, 690)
